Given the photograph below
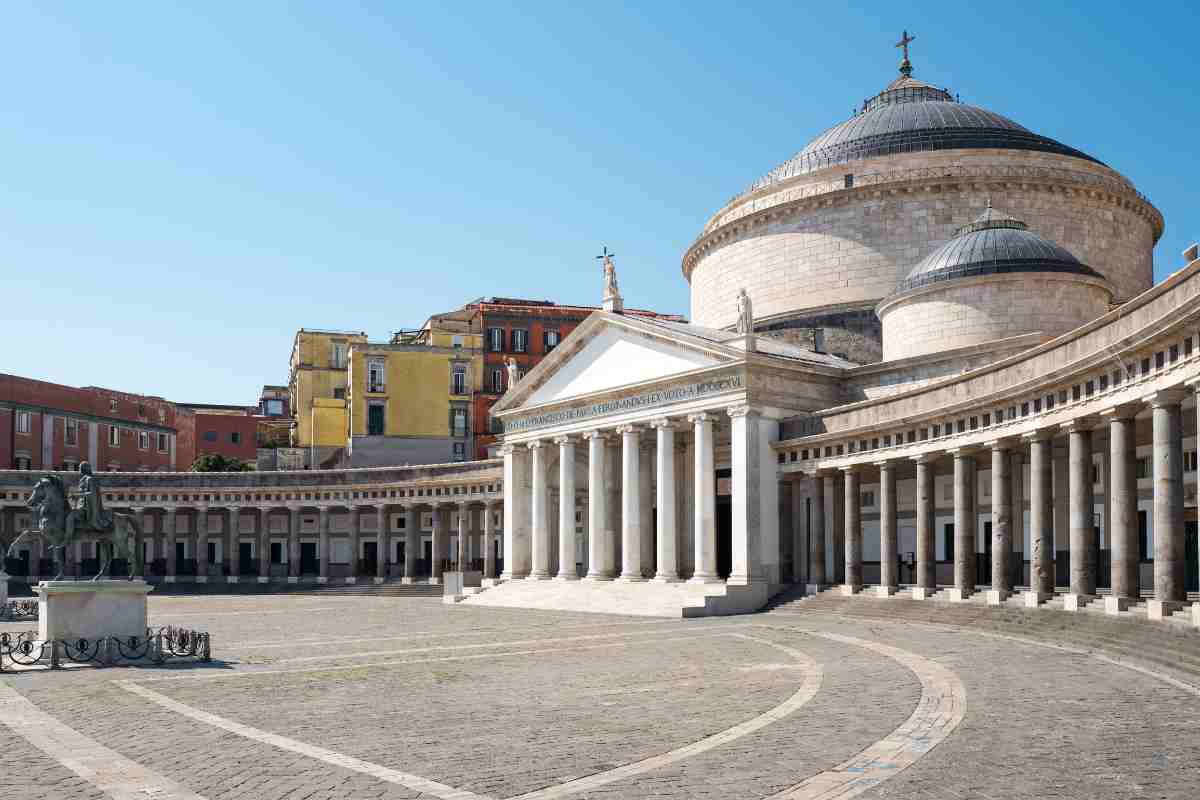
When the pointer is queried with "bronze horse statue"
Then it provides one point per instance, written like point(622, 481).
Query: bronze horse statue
point(50, 499)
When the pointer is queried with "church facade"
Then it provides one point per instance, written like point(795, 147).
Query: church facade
point(925, 353)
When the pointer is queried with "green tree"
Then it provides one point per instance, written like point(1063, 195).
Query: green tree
point(218, 463)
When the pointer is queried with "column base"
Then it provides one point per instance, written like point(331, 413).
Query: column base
point(378, 579)
point(352, 579)
point(850, 589)
point(201, 579)
point(923, 593)
point(231, 579)
point(322, 579)
point(293, 578)
point(884, 592)
point(663, 578)
point(566, 577)
point(1076, 602)
point(539, 576)
point(598, 577)
point(705, 579)
point(1158, 610)
point(263, 580)
point(433, 581)
point(407, 580)
point(812, 588)
point(996, 597)
point(168, 579)
point(958, 595)
point(1115, 605)
point(634, 578)
point(1034, 599)
point(1196, 614)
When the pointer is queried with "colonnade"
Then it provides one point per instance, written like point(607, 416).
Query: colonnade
point(1071, 501)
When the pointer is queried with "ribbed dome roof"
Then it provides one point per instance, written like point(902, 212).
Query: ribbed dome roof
point(911, 116)
point(994, 243)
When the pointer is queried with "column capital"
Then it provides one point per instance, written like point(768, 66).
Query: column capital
point(966, 451)
point(1166, 397)
point(1041, 434)
point(887, 463)
point(1082, 424)
point(595, 434)
point(849, 468)
point(667, 423)
point(700, 416)
point(925, 458)
point(741, 410)
point(536, 444)
point(507, 449)
point(1121, 411)
point(1001, 443)
point(624, 429)
point(564, 439)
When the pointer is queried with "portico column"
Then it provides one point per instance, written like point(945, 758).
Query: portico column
point(516, 512)
point(1041, 518)
point(323, 543)
point(293, 545)
point(1123, 517)
point(489, 547)
point(706, 501)
point(382, 541)
point(202, 544)
point(668, 564)
point(964, 525)
point(232, 559)
point(926, 576)
point(799, 531)
point(1002, 533)
point(169, 530)
point(264, 544)
point(412, 542)
point(631, 505)
point(889, 544)
point(754, 533)
point(1169, 553)
point(854, 545)
point(566, 509)
point(1082, 511)
point(438, 544)
point(355, 538)
point(139, 558)
point(539, 529)
point(1017, 492)
point(835, 525)
point(816, 537)
point(600, 567)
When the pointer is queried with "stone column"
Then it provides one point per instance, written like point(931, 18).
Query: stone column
point(600, 568)
point(1123, 513)
point(816, 537)
point(232, 558)
point(464, 536)
point(566, 509)
point(668, 563)
point(169, 530)
point(1062, 509)
point(1082, 510)
point(964, 525)
point(382, 542)
point(889, 541)
point(293, 545)
point(323, 543)
point(1169, 553)
point(139, 561)
point(755, 499)
point(412, 542)
point(926, 576)
point(647, 469)
point(1002, 531)
point(489, 547)
point(516, 512)
point(262, 529)
point(1041, 518)
point(539, 529)
point(854, 546)
point(202, 544)
point(706, 501)
point(799, 532)
point(835, 519)
point(439, 544)
point(685, 511)
point(355, 538)
point(1018, 517)
point(631, 507)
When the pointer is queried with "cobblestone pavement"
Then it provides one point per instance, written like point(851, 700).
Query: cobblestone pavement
point(371, 697)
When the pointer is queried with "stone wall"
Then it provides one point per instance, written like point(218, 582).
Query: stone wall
point(978, 310)
point(852, 333)
point(854, 245)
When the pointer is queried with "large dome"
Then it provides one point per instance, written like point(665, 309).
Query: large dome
point(911, 116)
point(993, 244)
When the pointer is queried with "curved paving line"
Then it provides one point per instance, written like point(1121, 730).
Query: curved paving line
point(106, 769)
point(813, 675)
point(941, 708)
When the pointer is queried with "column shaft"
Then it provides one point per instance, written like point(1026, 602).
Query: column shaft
point(1002, 529)
point(889, 544)
point(261, 527)
point(600, 568)
point(539, 530)
point(1041, 516)
point(464, 537)
point(516, 512)
point(964, 524)
point(293, 544)
point(631, 510)
point(412, 541)
point(853, 535)
point(489, 547)
point(1123, 514)
point(705, 501)
point(172, 566)
point(926, 576)
point(1083, 525)
point(382, 541)
point(566, 509)
point(668, 564)
point(202, 543)
point(816, 533)
point(439, 543)
point(1169, 553)
point(323, 542)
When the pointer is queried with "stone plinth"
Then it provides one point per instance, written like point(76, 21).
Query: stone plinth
point(885, 592)
point(1115, 605)
point(996, 597)
point(3, 588)
point(1158, 610)
point(959, 595)
point(922, 593)
point(1034, 599)
point(1075, 601)
point(91, 609)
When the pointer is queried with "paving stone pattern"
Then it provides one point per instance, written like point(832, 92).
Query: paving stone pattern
point(502, 702)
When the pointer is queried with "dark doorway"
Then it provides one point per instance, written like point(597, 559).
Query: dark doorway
point(276, 552)
point(724, 537)
point(984, 569)
point(370, 561)
point(246, 565)
point(1192, 549)
point(308, 558)
point(427, 567)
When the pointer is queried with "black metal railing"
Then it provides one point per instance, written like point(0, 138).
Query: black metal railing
point(156, 646)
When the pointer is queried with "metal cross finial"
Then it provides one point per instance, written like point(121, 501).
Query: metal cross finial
point(606, 255)
point(905, 40)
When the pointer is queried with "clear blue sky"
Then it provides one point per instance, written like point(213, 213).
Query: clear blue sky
point(183, 188)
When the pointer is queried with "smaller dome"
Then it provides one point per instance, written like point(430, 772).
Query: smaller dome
point(994, 243)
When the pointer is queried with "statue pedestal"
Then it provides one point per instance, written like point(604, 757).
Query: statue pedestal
point(91, 609)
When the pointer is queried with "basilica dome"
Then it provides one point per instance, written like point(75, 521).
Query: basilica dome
point(993, 280)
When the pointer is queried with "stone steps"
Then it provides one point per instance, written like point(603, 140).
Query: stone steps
point(644, 598)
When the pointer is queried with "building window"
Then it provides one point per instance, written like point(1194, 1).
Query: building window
point(141, 410)
point(114, 436)
point(339, 393)
point(375, 372)
point(868, 499)
point(338, 359)
point(143, 440)
point(848, 180)
point(550, 340)
point(210, 436)
point(520, 341)
point(162, 415)
point(112, 405)
point(375, 419)
point(273, 408)
point(1189, 461)
point(163, 443)
point(22, 463)
point(496, 340)
point(1143, 467)
point(235, 437)
point(458, 421)
point(458, 381)
point(456, 341)
point(460, 451)
point(24, 421)
point(498, 381)
point(71, 432)
point(818, 340)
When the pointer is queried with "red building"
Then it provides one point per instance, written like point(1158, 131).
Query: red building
point(49, 426)
point(229, 431)
point(525, 330)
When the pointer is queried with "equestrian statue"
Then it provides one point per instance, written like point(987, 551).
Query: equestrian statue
point(60, 524)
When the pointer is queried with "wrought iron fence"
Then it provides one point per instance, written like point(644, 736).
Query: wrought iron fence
point(156, 647)
point(19, 610)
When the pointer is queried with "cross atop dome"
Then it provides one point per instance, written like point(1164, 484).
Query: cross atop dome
point(906, 65)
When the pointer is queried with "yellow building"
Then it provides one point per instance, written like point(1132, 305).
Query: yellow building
point(317, 388)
